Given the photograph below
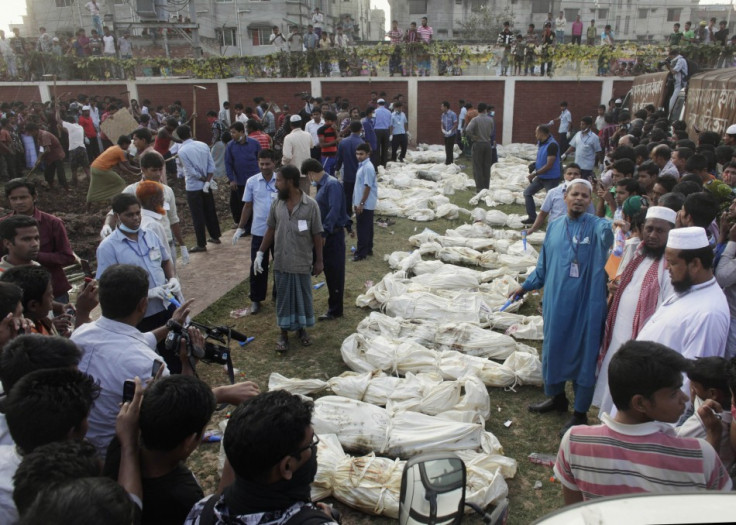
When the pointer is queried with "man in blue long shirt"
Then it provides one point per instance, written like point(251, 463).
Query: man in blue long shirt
point(398, 130)
point(369, 133)
point(381, 126)
point(365, 198)
point(241, 163)
point(335, 221)
point(571, 268)
point(199, 168)
point(349, 163)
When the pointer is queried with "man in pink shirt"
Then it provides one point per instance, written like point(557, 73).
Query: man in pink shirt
point(577, 30)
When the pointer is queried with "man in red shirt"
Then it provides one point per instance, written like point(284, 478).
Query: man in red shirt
point(328, 141)
point(50, 153)
point(55, 251)
point(162, 144)
point(90, 133)
point(253, 128)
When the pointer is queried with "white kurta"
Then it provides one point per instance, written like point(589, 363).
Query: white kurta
point(623, 325)
point(694, 323)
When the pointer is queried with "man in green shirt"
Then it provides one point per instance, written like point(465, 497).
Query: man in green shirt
point(676, 36)
point(688, 35)
point(591, 33)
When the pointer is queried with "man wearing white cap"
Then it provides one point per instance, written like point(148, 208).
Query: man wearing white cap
point(571, 268)
point(641, 285)
point(729, 139)
point(297, 148)
point(694, 320)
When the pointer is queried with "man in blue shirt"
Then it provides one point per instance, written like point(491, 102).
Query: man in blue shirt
point(347, 160)
point(331, 200)
point(398, 129)
point(365, 198)
point(199, 168)
point(449, 128)
point(241, 163)
point(381, 126)
point(260, 193)
point(544, 172)
point(369, 135)
point(587, 148)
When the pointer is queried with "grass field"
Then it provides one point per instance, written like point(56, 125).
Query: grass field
point(528, 432)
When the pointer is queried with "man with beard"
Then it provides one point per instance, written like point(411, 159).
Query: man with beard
point(694, 320)
point(295, 231)
point(271, 450)
point(640, 287)
point(571, 270)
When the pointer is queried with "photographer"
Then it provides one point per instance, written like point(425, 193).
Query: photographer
point(677, 65)
point(115, 350)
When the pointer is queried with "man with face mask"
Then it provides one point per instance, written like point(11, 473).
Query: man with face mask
point(640, 286)
point(571, 270)
point(694, 320)
point(335, 220)
point(587, 148)
point(295, 232)
point(272, 449)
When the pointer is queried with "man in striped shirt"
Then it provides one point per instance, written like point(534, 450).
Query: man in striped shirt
point(638, 450)
point(328, 141)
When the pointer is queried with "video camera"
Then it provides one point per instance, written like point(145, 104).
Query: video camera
point(217, 341)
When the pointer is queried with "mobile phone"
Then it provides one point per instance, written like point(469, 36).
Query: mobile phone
point(128, 390)
point(157, 364)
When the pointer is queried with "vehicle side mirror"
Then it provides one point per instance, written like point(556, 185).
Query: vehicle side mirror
point(432, 490)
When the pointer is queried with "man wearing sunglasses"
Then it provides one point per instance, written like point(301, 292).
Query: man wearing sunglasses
point(271, 451)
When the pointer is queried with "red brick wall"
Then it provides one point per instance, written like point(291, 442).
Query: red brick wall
point(431, 94)
point(278, 92)
point(167, 93)
point(100, 90)
point(359, 93)
point(538, 102)
point(23, 94)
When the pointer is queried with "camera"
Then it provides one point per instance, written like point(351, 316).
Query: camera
point(217, 341)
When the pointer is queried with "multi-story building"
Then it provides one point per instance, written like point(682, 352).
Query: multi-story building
point(630, 20)
point(226, 27)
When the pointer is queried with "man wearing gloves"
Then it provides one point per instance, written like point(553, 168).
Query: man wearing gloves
point(152, 170)
point(295, 232)
point(199, 168)
point(131, 244)
point(260, 193)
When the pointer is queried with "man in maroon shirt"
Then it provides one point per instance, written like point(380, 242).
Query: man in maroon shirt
point(55, 251)
point(50, 153)
point(90, 133)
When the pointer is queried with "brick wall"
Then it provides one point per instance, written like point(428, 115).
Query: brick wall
point(279, 92)
point(101, 90)
point(431, 94)
point(359, 93)
point(539, 102)
point(167, 93)
point(25, 94)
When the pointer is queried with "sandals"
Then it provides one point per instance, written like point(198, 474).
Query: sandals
point(282, 345)
point(304, 337)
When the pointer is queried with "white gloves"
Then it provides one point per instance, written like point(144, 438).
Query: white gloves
point(213, 185)
point(238, 233)
point(105, 231)
point(158, 293)
point(173, 286)
point(206, 188)
point(258, 264)
point(184, 255)
point(563, 156)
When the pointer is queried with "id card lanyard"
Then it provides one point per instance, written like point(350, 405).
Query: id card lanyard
point(575, 242)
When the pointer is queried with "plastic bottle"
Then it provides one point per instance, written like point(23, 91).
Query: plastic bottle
point(548, 460)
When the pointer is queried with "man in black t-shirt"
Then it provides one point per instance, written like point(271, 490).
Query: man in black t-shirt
point(173, 416)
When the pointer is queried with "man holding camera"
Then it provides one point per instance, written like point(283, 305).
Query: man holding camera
point(114, 350)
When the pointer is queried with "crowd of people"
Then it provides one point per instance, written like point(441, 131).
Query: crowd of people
point(637, 269)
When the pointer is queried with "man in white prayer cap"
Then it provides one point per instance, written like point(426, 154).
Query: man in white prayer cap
point(729, 138)
point(642, 284)
point(694, 320)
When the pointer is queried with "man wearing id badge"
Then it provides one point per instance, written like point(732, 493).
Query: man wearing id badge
point(571, 269)
point(131, 244)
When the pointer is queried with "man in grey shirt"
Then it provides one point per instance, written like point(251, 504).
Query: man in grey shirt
point(295, 230)
point(480, 131)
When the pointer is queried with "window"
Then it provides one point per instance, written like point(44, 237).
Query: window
point(476, 5)
point(417, 7)
point(673, 15)
point(602, 14)
point(643, 13)
point(260, 36)
point(227, 36)
point(540, 6)
point(64, 3)
point(224, 1)
point(570, 14)
point(458, 2)
point(626, 25)
point(617, 26)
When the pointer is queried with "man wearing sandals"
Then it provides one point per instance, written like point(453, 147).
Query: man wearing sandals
point(295, 230)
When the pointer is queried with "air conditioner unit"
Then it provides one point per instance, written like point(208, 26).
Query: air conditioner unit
point(145, 8)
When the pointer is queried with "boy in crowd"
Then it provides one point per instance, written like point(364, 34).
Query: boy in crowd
point(638, 450)
point(365, 198)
